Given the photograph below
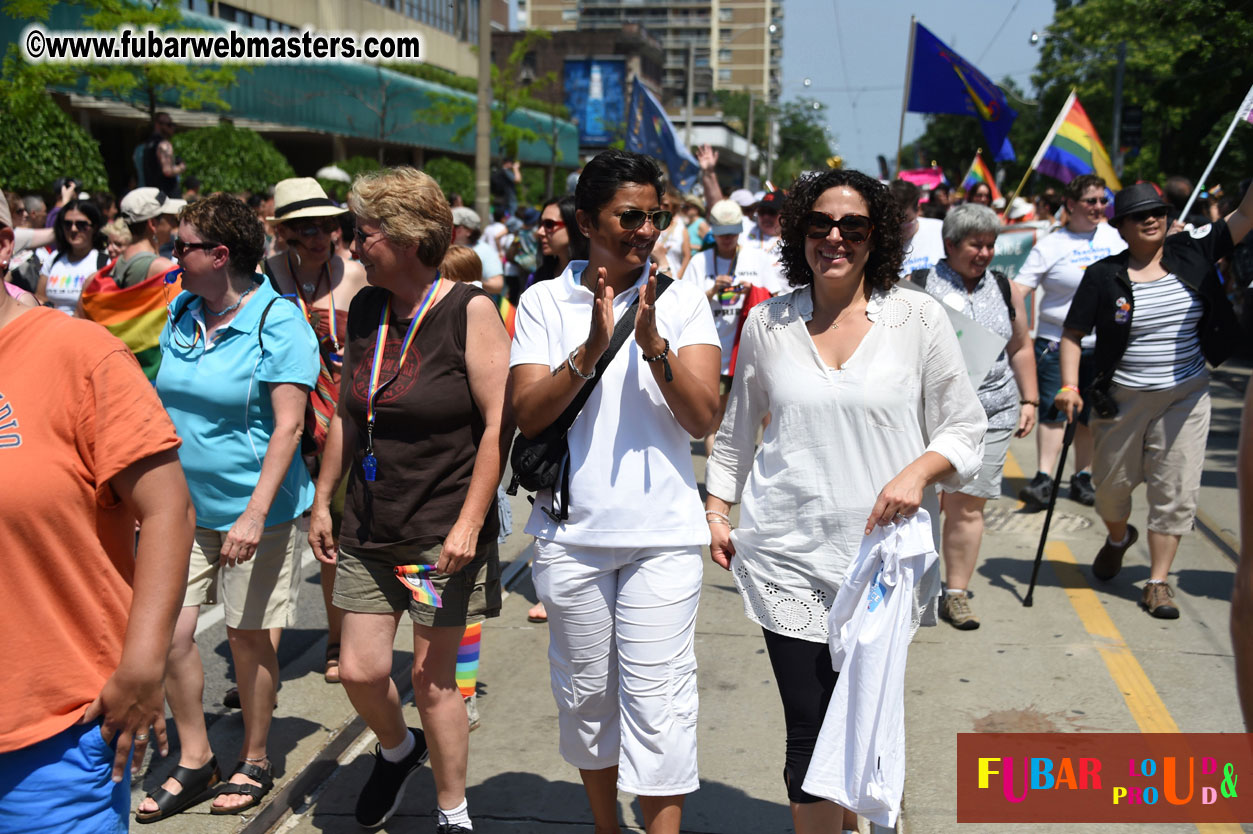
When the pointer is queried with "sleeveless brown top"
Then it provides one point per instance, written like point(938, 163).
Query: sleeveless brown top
point(426, 432)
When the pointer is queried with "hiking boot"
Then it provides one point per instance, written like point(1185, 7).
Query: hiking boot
point(472, 712)
point(1108, 561)
point(1035, 495)
point(956, 609)
point(1156, 599)
point(385, 788)
point(1081, 489)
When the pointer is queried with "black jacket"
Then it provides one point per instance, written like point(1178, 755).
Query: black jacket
point(1104, 300)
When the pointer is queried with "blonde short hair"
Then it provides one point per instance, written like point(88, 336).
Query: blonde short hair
point(409, 207)
point(462, 264)
point(118, 229)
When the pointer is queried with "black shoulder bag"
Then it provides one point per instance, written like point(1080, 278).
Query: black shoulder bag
point(541, 462)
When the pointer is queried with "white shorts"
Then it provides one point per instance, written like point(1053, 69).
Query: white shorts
point(621, 627)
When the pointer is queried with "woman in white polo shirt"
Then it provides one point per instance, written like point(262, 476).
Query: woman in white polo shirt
point(621, 575)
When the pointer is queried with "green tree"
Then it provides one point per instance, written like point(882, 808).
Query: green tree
point(453, 175)
point(803, 142)
point(232, 159)
point(1187, 66)
point(44, 144)
point(145, 86)
point(510, 92)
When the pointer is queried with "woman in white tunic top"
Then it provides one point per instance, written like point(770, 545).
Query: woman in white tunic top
point(872, 406)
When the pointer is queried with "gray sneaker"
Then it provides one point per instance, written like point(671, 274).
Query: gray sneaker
point(472, 712)
point(956, 609)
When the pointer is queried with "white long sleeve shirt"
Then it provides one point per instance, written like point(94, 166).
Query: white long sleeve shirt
point(836, 437)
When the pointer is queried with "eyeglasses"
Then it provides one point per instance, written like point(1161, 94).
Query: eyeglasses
point(313, 229)
point(855, 228)
point(632, 219)
point(1095, 201)
point(181, 247)
point(551, 226)
point(1141, 216)
point(79, 225)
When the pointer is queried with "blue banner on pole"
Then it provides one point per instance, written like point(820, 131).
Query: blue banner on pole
point(596, 98)
point(649, 131)
point(945, 82)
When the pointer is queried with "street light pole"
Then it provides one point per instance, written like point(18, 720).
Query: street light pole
point(483, 127)
point(748, 148)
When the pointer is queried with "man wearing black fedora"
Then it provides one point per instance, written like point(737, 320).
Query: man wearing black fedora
point(1160, 314)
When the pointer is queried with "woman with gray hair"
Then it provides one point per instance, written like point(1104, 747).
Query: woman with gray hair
point(963, 282)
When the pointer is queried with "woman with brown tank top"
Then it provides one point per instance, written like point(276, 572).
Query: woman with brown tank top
point(422, 432)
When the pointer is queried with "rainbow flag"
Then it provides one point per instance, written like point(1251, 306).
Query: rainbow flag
point(135, 314)
point(1246, 107)
point(468, 659)
point(508, 313)
point(417, 579)
point(1072, 147)
point(979, 173)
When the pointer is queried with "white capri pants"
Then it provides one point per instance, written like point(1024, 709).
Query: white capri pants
point(621, 627)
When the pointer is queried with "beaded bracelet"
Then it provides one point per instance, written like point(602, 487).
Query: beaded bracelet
point(723, 517)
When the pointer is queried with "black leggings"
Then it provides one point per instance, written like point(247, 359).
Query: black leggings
point(806, 681)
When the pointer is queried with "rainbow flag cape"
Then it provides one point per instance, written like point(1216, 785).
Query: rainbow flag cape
point(135, 314)
point(979, 173)
point(1072, 147)
point(417, 579)
point(508, 313)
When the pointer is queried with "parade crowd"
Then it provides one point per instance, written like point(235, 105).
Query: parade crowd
point(196, 387)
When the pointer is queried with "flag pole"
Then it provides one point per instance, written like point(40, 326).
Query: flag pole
point(1241, 111)
point(909, 77)
point(1048, 140)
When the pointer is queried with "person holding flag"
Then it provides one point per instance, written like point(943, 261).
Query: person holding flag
point(422, 432)
point(1055, 266)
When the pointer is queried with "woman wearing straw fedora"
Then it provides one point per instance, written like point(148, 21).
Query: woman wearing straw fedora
point(323, 285)
point(1160, 312)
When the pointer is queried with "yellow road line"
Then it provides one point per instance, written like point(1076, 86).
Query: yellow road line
point(1146, 706)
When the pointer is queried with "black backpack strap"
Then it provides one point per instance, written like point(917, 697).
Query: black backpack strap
point(621, 332)
point(919, 277)
point(1007, 292)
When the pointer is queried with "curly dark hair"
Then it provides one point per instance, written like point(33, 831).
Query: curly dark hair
point(226, 219)
point(888, 249)
point(88, 209)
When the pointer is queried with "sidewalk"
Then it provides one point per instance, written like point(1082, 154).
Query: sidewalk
point(1085, 658)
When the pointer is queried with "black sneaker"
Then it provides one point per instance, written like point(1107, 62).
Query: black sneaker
point(1081, 489)
point(386, 786)
point(1035, 495)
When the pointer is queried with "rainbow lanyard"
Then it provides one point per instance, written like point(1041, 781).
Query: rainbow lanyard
point(370, 463)
point(307, 306)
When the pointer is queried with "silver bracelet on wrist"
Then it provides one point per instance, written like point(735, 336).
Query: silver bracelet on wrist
point(723, 517)
point(574, 369)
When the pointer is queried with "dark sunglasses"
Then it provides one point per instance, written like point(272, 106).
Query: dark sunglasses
point(1095, 201)
point(551, 225)
point(313, 229)
point(632, 219)
point(855, 228)
point(79, 225)
point(768, 210)
point(181, 247)
point(1141, 216)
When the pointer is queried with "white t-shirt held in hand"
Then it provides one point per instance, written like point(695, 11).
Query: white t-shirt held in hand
point(631, 478)
point(1055, 266)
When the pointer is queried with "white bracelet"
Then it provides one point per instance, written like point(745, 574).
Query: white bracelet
point(723, 517)
point(574, 369)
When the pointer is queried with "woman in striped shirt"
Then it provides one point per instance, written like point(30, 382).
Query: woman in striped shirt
point(1160, 312)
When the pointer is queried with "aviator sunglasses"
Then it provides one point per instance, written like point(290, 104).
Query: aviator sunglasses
point(632, 219)
point(855, 228)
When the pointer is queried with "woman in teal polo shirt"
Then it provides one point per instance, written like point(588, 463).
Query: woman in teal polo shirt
point(236, 369)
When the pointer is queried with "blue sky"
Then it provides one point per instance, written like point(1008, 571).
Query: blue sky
point(857, 68)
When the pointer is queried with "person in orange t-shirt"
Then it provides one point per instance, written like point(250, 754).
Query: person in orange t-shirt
point(87, 618)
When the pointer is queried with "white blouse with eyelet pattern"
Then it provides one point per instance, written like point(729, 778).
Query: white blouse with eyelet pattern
point(834, 441)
